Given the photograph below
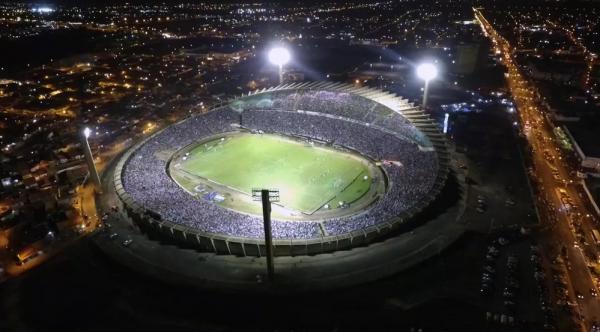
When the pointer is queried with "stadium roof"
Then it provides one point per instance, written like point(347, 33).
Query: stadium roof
point(393, 102)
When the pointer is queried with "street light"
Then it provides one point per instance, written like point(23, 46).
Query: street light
point(426, 72)
point(279, 56)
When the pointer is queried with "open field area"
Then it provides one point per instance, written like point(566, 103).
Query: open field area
point(307, 176)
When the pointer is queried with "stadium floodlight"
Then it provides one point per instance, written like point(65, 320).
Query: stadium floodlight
point(90, 159)
point(427, 72)
point(279, 56)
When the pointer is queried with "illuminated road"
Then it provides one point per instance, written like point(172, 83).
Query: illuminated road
point(558, 202)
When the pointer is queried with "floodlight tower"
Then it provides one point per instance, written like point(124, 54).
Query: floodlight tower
point(89, 158)
point(279, 56)
point(266, 196)
point(426, 72)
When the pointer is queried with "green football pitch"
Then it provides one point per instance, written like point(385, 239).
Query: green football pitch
point(307, 176)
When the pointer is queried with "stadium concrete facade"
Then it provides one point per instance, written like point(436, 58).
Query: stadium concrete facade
point(403, 140)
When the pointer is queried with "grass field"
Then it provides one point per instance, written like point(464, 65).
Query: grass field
point(307, 176)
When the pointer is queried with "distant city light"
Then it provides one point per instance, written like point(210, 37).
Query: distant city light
point(42, 9)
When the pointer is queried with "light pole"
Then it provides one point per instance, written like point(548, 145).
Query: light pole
point(426, 72)
point(279, 56)
point(266, 196)
point(89, 158)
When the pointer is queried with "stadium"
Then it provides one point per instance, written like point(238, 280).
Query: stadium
point(352, 165)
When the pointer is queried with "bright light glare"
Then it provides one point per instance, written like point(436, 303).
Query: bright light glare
point(43, 10)
point(427, 71)
point(87, 131)
point(279, 56)
point(446, 116)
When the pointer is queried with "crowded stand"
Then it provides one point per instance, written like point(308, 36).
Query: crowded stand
point(339, 119)
point(339, 104)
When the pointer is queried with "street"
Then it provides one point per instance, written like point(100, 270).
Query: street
point(558, 198)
